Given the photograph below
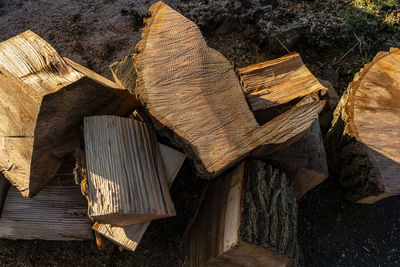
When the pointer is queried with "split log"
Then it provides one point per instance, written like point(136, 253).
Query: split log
point(4, 186)
point(248, 217)
point(43, 98)
point(195, 98)
point(130, 236)
point(58, 212)
point(126, 177)
point(276, 82)
point(304, 162)
point(363, 144)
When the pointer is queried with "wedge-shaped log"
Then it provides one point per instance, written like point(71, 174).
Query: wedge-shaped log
point(58, 212)
point(248, 217)
point(129, 236)
point(194, 97)
point(304, 162)
point(43, 98)
point(276, 82)
point(363, 144)
point(126, 177)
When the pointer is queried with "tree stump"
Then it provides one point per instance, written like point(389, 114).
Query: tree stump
point(125, 175)
point(248, 216)
point(43, 98)
point(363, 144)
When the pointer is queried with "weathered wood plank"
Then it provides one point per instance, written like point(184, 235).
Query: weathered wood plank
point(126, 177)
point(129, 236)
point(43, 98)
point(277, 82)
point(58, 212)
point(364, 141)
point(248, 215)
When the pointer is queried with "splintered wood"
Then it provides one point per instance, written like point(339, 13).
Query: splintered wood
point(43, 97)
point(185, 87)
point(126, 176)
point(129, 236)
point(364, 141)
point(250, 215)
point(277, 82)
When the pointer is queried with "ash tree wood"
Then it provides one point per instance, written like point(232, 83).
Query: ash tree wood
point(43, 98)
point(304, 162)
point(195, 98)
point(248, 217)
point(125, 175)
point(129, 236)
point(58, 212)
point(363, 144)
point(276, 82)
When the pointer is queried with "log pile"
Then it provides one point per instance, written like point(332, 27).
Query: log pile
point(253, 131)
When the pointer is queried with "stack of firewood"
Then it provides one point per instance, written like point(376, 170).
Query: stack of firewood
point(253, 130)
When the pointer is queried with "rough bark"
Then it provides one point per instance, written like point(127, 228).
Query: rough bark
point(248, 215)
point(184, 86)
point(362, 145)
point(126, 177)
point(43, 98)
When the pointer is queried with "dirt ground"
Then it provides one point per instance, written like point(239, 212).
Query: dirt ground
point(334, 37)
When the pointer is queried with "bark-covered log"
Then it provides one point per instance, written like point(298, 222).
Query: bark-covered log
point(363, 145)
point(43, 98)
point(58, 212)
point(250, 214)
point(129, 236)
point(195, 98)
point(125, 174)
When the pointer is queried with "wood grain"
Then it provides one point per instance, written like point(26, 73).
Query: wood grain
point(364, 140)
point(126, 177)
point(246, 217)
point(43, 98)
point(58, 212)
point(194, 97)
point(277, 82)
point(129, 236)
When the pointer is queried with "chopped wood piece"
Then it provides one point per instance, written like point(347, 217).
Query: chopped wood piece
point(43, 98)
point(195, 98)
point(277, 82)
point(304, 162)
point(130, 236)
point(4, 186)
point(126, 177)
point(248, 215)
point(363, 145)
point(58, 212)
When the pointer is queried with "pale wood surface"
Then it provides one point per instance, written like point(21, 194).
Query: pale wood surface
point(43, 97)
point(58, 212)
point(364, 140)
point(251, 205)
point(130, 236)
point(192, 90)
point(277, 82)
point(126, 177)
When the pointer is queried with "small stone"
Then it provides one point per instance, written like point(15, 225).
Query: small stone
point(331, 75)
